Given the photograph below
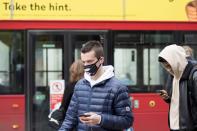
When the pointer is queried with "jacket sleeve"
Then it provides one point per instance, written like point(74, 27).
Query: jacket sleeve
point(71, 118)
point(122, 117)
point(168, 88)
point(194, 89)
point(68, 92)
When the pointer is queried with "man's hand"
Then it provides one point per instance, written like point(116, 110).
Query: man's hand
point(90, 118)
point(164, 95)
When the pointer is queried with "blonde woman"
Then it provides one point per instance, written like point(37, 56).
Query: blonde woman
point(76, 71)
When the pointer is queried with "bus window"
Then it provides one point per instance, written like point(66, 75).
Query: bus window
point(136, 59)
point(125, 65)
point(190, 38)
point(126, 58)
point(151, 74)
point(51, 62)
point(12, 62)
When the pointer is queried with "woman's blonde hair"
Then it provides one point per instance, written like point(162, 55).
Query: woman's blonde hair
point(76, 71)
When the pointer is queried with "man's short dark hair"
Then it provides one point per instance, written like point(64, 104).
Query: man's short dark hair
point(96, 46)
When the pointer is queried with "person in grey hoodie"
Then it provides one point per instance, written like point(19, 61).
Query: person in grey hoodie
point(100, 102)
point(182, 94)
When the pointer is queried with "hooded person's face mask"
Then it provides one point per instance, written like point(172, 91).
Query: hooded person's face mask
point(92, 68)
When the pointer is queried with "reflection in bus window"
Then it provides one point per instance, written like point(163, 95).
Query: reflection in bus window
point(125, 65)
point(48, 59)
point(12, 62)
point(135, 57)
point(4, 64)
point(190, 38)
point(48, 65)
point(151, 67)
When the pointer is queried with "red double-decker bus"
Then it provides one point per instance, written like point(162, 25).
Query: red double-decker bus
point(36, 50)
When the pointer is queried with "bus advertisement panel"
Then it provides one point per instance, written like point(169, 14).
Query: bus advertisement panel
point(127, 10)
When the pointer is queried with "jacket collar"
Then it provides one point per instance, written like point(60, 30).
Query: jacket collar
point(98, 84)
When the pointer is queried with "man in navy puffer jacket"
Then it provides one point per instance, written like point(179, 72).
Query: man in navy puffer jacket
point(100, 102)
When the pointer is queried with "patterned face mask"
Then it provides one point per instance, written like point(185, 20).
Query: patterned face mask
point(92, 68)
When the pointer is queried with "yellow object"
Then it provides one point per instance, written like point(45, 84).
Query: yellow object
point(128, 10)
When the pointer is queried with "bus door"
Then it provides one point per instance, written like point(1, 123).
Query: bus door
point(50, 53)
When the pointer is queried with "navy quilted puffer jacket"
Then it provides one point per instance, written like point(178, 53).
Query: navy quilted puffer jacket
point(108, 98)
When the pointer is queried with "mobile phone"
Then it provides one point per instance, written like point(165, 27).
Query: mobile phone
point(84, 115)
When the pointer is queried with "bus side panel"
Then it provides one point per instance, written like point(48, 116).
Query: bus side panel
point(12, 113)
point(150, 112)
